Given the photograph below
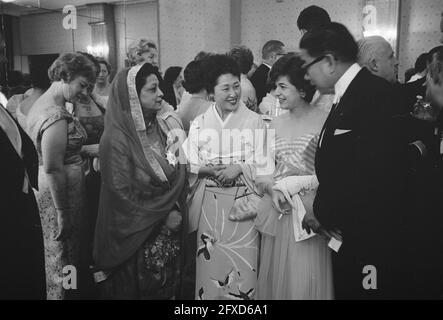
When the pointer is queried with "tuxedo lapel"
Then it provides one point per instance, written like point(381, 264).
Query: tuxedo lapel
point(7, 147)
point(338, 111)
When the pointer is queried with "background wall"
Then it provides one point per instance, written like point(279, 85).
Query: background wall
point(419, 30)
point(141, 22)
point(44, 33)
point(189, 26)
point(263, 20)
point(184, 27)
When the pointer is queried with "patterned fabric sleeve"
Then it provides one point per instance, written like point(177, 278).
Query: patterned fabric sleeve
point(57, 114)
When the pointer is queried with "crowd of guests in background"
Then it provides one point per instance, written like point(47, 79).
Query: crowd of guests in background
point(117, 179)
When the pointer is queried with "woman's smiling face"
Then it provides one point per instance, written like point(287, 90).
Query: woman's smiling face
point(227, 92)
point(287, 94)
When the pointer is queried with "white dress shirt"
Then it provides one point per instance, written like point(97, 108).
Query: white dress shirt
point(343, 83)
point(341, 86)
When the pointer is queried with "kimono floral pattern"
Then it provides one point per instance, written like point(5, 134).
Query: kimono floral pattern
point(227, 250)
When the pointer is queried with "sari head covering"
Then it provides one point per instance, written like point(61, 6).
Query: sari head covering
point(139, 186)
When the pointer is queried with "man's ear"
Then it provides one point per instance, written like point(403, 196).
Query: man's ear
point(373, 66)
point(273, 57)
point(331, 63)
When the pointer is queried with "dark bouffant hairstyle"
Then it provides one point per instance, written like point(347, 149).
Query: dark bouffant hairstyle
point(290, 66)
point(69, 66)
point(146, 70)
point(217, 65)
point(194, 77)
point(313, 17)
point(243, 56)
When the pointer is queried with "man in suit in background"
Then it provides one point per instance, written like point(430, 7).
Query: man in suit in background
point(421, 131)
point(22, 267)
point(376, 54)
point(271, 52)
point(358, 197)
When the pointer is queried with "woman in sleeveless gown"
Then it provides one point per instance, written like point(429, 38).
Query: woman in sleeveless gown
point(59, 137)
point(293, 264)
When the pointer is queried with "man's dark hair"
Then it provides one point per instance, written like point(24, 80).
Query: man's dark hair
point(290, 66)
point(420, 63)
point(313, 17)
point(272, 46)
point(334, 39)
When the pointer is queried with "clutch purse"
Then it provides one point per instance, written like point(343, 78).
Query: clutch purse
point(245, 206)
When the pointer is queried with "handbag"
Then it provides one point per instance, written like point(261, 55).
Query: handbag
point(245, 206)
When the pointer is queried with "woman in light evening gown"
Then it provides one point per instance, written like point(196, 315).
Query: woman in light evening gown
point(293, 264)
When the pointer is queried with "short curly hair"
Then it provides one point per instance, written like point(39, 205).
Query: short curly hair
point(217, 65)
point(137, 47)
point(290, 66)
point(243, 56)
point(71, 65)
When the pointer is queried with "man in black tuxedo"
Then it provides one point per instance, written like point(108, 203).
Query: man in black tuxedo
point(271, 52)
point(22, 264)
point(22, 267)
point(358, 196)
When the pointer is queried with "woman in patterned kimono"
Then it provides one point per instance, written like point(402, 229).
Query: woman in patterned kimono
point(59, 137)
point(222, 173)
point(293, 265)
point(138, 238)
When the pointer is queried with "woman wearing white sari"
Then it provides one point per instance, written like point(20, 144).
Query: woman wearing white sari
point(222, 145)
